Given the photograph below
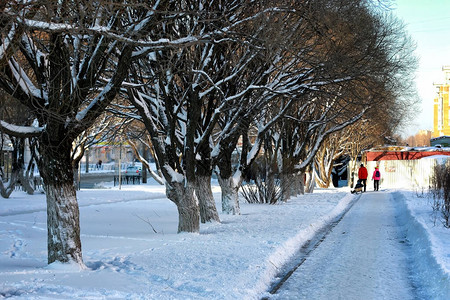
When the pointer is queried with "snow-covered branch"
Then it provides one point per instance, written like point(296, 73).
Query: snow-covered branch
point(20, 131)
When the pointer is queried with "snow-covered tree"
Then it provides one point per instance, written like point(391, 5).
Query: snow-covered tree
point(21, 170)
point(332, 63)
point(66, 61)
point(362, 56)
point(277, 75)
point(177, 103)
point(198, 101)
point(332, 148)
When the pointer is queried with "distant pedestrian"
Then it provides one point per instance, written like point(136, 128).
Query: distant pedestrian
point(362, 175)
point(376, 179)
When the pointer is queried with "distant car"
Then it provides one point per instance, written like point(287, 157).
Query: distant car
point(133, 171)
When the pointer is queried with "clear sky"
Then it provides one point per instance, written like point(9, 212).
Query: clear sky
point(428, 23)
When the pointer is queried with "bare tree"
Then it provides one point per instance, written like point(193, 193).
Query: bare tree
point(66, 61)
point(420, 139)
point(329, 152)
point(21, 171)
point(176, 112)
point(197, 102)
point(368, 52)
point(277, 76)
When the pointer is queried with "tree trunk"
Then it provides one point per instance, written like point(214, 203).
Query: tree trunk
point(229, 184)
point(270, 159)
point(187, 205)
point(25, 181)
point(287, 186)
point(208, 210)
point(300, 180)
point(87, 160)
point(7, 189)
point(271, 196)
point(203, 173)
point(322, 175)
point(76, 159)
point(294, 184)
point(259, 186)
point(230, 196)
point(24, 175)
point(16, 168)
point(76, 177)
point(352, 172)
point(63, 217)
point(310, 181)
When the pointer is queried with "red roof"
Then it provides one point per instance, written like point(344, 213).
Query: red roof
point(401, 155)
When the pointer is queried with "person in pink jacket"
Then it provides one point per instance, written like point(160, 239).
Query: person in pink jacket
point(376, 179)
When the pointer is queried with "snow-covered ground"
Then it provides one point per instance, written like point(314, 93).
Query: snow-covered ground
point(367, 255)
point(132, 251)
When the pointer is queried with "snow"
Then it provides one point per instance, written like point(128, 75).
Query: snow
point(7, 41)
point(82, 114)
point(21, 130)
point(174, 175)
point(440, 158)
point(431, 247)
point(235, 259)
point(25, 82)
point(376, 238)
point(237, 177)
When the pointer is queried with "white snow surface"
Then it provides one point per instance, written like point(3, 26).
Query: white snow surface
point(21, 129)
point(235, 259)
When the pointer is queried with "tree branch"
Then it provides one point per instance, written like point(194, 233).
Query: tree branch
point(20, 131)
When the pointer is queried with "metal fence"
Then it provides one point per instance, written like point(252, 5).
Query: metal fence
point(414, 174)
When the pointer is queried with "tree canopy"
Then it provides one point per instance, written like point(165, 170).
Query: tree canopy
point(207, 80)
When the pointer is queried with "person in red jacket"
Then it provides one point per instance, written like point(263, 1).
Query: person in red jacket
point(362, 175)
point(376, 179)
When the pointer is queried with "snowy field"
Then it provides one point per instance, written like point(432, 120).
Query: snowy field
point(132, 251)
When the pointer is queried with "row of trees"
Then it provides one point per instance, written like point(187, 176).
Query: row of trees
point(285, 78)
point(420, 139)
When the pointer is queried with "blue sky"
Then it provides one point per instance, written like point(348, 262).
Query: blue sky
point(428, 23)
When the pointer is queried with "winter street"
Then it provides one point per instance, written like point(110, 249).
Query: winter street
point(364, 257)
point(132, 249)
point(208, 150)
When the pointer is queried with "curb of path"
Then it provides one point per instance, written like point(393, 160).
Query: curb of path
point(279, 265)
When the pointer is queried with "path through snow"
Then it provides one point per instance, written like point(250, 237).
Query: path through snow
point(235, 259)
point(364, 257)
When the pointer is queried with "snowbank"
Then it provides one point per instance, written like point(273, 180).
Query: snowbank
point(430, 246)
point(235, 259)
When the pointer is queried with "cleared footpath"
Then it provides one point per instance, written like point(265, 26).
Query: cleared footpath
point(365, 256)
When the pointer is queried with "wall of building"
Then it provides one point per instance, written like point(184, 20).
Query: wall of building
point(443, 141)
point(410, 174)
point(441, 123)
point(403, 155)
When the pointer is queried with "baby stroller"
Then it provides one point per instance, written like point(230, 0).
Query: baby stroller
point(358, 187)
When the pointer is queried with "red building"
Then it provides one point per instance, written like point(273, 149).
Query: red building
point(403, 153)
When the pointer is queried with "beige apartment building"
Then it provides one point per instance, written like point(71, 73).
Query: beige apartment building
point(441, 123)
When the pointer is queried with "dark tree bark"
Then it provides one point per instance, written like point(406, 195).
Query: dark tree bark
point(55, 165)
point(208, 210)
point(66, 74)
